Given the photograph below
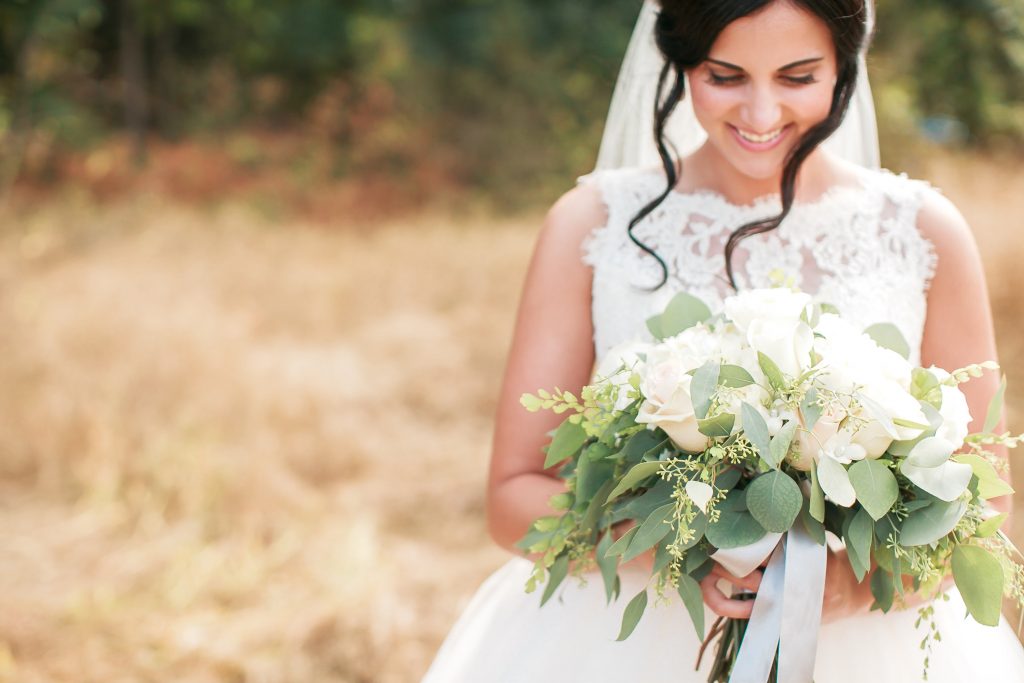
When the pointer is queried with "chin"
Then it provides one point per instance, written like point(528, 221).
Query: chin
point(757, 165)
point(759, 169)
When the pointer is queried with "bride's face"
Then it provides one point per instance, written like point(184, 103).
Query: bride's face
point(768, 78)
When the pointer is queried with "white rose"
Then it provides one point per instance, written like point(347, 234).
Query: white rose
point(896, 402)
point(956, 415)
point(775, 303)
point(852, 357)
point(786, 342)
point(667, 404)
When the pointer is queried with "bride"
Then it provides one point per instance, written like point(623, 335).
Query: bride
point(753, 97)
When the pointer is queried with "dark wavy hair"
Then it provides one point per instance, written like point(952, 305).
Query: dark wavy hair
point(686, 30)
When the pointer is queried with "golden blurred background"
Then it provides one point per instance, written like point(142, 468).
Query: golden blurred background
point(250, 343)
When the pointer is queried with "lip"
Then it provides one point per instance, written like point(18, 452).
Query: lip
point(760, 146)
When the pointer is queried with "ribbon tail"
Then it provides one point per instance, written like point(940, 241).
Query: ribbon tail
point(761, 639)
point(804, 589)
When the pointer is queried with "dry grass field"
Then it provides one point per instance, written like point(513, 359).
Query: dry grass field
point(242, 450)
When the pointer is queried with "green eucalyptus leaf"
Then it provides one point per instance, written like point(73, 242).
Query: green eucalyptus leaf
point(814, 528)
point(703, 387)
point(568, 439)
point(734, 530)
point(995, 408)
point(607, 564)
point(694, 559)
point(990, 526)
point(882, 589)
point(635, 475)
point(734, 376)
point(631, 616)
point(728, 478)
point(858, 542)
point(889, 336)
point(756, 430)
point(718, 426)
point(655, 327)
point(662, 557)
point(698, 526)
point(771, 371)
point(622, 544)
point(556, 574)
point(683, 312)
point(931, 523)
point(591, 476)
point(596, 506)
point(990, 484)
point(774, 500)
point(640, 443)
point(641, 506)
point(810, 408)
point(875, 485)
point(735, 501)
point(653, 529)
point(693, 599)
point(979, 578)
point(924, 386)
point(780, 443)
point(816, 506)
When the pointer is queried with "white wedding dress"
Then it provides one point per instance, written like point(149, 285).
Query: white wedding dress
point(857, 247)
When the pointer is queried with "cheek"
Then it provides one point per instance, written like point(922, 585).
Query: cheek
point(712, 104)
point(810, 104)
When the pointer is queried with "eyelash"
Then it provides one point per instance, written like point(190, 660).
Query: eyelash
point(715, 79)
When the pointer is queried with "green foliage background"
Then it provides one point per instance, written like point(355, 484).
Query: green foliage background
point(502, 97)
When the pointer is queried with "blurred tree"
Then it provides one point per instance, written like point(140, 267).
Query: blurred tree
point(507, 97)
point(961, 59)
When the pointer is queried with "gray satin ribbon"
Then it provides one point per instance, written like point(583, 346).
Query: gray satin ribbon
point(786, 610)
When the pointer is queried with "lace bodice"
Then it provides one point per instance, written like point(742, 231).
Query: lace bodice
point(856, 247)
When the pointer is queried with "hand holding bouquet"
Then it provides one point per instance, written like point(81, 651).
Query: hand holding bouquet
point(745, 437)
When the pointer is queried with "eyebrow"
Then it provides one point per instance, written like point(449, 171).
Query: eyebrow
point(794, 65)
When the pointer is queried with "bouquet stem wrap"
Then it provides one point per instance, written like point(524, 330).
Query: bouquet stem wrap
point(787, 610)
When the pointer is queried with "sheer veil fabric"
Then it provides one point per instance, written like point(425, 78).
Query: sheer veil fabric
point(628, 138)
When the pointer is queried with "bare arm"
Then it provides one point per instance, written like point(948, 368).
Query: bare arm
point(958, 331)
point(551, 346)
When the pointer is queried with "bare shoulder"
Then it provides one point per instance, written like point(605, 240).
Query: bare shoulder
point(942, 223)
point(573, 216)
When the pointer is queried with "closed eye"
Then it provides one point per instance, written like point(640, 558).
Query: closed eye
point(722, 80)
point(716, 79)
point(801, 80)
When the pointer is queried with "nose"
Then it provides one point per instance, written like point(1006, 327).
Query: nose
point(762, 110)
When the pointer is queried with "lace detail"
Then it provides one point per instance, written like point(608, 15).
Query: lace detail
point(856, 247)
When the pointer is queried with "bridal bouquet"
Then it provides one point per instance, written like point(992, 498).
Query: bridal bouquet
point(745, 437)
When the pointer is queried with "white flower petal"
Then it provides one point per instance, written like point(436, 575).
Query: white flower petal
point(700, 493)
point(931, 451)
point(835, 482)
point(948, 481)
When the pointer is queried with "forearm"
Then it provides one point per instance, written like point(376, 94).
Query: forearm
point(518, 501)
point(513, 505)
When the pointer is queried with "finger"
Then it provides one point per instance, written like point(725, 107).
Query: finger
point(750, 582)
point(721, 605)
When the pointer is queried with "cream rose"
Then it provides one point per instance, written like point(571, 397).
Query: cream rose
point(667, 404)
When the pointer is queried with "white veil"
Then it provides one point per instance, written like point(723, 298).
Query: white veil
point(628, 138)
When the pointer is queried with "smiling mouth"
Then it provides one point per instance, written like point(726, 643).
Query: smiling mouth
point(759, 139)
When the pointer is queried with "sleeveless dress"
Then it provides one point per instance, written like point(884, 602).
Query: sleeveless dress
point(857, 247)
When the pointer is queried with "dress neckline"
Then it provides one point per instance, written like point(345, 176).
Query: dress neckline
point(769, 201)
